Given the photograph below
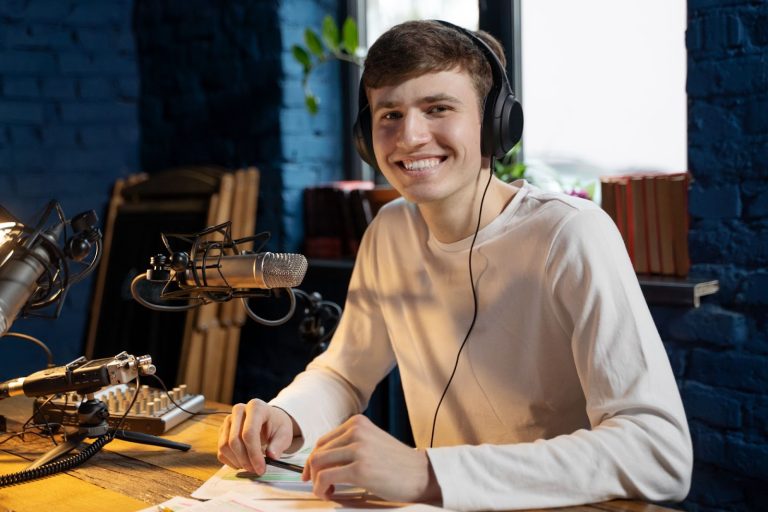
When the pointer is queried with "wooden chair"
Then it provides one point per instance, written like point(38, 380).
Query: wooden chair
point(212, 334)
point(199, 348)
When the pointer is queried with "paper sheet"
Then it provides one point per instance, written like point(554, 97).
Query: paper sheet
point(237, 502)
point(276, 483)
point(175, 504)
point(280, 490)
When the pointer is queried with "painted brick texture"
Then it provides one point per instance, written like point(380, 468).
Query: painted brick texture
point(720, 351)
point(219, 86)
point(68, 129)
point(92, 91)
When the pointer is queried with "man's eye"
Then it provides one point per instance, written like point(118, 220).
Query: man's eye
point(438, 109)
point(391, 115)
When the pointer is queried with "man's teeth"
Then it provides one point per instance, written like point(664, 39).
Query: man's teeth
point(416, 165)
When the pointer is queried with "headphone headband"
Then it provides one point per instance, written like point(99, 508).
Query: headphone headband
point(502, 125)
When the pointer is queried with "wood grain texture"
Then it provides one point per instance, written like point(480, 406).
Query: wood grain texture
point(127, 476)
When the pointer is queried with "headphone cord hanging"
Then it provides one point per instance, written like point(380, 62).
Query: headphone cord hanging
point(474, 301)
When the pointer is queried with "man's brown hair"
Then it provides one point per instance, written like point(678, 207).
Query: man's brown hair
point(414, 48)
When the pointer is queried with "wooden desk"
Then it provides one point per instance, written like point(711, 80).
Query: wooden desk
point(127, 476)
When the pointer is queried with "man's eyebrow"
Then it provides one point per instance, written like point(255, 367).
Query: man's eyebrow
point(440, 97)
point(434, 98)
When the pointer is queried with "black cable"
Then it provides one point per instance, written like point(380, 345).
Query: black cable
point(49, 426)
point(27, 337)
point(128, 409)
point(70, 462)
point(199, 413)
point(474, 314)
point(58, 466)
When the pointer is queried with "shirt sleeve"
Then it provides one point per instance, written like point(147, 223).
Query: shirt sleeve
point(338, 383)
point(638, 444)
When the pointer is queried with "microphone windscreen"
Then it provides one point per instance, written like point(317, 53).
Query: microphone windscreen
point(283, 270)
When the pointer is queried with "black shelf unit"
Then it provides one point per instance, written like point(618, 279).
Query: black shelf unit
point(676, 291)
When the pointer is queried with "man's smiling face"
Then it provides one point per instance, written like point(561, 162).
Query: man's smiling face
point(426, 136)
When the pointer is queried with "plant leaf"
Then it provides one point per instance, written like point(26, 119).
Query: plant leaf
point(310, 100)
point(313, 42)
point(590, 190)
point(331, 33)
point(349, 32)
point(301, 55)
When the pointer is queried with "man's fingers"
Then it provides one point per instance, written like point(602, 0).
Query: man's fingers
point(255, 421)
point(324, 483)
point(237, 450)
point(248, 430)
point(224, 453)
point(328, 458)
point(280, 441)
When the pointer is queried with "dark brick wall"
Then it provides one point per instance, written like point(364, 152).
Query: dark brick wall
point(68, 129)
point(720, 351)
point(94, 90)
point(219, 86)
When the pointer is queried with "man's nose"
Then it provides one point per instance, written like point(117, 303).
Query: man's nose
point(414, 131)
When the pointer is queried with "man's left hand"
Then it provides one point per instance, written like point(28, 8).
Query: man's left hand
point(361, 454)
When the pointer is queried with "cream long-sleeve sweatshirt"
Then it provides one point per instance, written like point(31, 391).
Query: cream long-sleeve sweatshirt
point(563, 394)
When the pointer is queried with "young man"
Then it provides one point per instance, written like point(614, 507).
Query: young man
point(553, 385)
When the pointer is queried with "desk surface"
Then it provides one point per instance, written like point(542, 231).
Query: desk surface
point(127, 476)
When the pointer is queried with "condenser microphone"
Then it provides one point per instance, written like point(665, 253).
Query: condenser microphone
point(218, 270)
point(19, 274)
point(263, 270)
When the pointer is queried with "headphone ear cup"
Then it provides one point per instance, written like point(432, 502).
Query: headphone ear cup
point(363, 137)
point(511, 126)
point(502, 123)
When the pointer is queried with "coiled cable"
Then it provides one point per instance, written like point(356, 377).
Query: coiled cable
point(58, 465)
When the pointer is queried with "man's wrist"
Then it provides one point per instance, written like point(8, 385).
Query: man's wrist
point(432, 492)
point(294, 426)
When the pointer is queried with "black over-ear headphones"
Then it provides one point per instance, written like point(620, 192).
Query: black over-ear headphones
point(502, 115)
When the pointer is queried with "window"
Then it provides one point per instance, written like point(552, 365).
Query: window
point(380, 15)
point(603, 81)
point(603, 85)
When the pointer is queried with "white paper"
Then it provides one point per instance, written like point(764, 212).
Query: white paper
point(275, 483)
point(177, 503)
point(280, 490)
point(231, 501)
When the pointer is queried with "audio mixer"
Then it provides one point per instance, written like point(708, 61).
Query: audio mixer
point(152, 413)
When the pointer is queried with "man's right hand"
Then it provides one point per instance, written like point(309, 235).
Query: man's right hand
point(252, 430)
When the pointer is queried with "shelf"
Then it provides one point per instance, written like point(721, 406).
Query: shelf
point(676, 291)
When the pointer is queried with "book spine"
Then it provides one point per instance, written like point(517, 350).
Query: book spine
point(639, 228)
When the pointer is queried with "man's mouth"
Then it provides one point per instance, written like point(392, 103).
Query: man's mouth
point(420, 164)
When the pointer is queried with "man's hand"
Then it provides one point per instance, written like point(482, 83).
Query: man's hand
point(359, 453)
point(251, 430)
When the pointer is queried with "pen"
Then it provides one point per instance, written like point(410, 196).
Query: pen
point(284, 465)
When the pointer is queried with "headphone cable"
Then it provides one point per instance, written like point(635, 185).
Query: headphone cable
point(474, 314)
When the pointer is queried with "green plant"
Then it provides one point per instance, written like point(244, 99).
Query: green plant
point(330, 44)
point(510, 168)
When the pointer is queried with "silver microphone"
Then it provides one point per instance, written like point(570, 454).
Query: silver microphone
point(263, 270)
point(19, 272)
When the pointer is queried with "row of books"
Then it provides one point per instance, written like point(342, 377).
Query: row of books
point(336, 216)
point(651, 212)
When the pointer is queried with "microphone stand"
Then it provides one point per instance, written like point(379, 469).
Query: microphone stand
point(92, 422)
